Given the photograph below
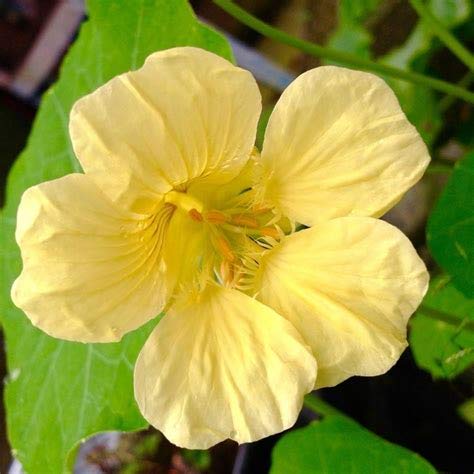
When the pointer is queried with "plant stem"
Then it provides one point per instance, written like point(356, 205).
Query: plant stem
point(341, 57)
point(445, 317)
point(440, 167)
point(319, 406)
point(435, 168)
point(448, 100)
point(450, 41)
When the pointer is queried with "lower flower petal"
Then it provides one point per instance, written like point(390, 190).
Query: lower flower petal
point(91, 272)
point(222, 365)
point(348, 286)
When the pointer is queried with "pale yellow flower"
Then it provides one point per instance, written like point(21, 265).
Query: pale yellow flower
point(178, 211)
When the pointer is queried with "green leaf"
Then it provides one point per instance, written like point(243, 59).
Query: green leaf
point(337, 444)
point(442, 331)
point(60, 392)
point(450, 230)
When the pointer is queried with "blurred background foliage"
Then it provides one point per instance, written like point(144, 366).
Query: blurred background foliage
point(424, 405)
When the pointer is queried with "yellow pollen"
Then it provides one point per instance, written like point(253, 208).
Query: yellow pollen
point(215, 217)
point(245, 221)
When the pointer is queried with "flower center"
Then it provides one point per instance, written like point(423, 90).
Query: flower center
point(183, 201)
point(237, 235)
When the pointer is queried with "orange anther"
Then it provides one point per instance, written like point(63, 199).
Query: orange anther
point(224, 248)
point(245, 221)
point(270, 232)
point(215, 217)
point(195, 215)
point(259, 209)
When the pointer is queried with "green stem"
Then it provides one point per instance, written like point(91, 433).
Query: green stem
point(318, 405)
point(440, 167)
point(341, 57)
point(448, 100)
point(445, 317)
point(443, 34)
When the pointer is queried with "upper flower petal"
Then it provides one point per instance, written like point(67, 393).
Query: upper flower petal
point(338, 144)
point(222, 366)
point(91, 272)
point(227, 195)
point(186, 113)
point(348, 286)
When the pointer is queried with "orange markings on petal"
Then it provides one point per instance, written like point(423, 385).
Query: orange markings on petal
point(245, 221)
point(195, 215)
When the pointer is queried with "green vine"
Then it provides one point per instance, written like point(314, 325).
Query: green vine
point(342, 57)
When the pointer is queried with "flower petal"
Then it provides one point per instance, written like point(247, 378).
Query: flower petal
point(349, 287)
point(187, 251)
point(91, 272)
point(230, 194)
point(338, 144)
point(222, 366)
point(186, 113)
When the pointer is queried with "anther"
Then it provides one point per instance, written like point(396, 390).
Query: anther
point(195, 215)
point(260, 209)
point(245, 221)
point(270, 232)
point(215, 217)
point(224, 248)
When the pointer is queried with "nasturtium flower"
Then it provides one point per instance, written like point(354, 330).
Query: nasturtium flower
point(275, 275)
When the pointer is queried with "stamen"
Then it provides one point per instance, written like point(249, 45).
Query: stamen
point(224, 248)
point(215, 217)
point(260, 209)
point(195, 215)
point(270, 232)
point(227, 272)
point(245, 221)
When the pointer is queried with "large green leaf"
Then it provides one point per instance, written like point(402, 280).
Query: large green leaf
point(442, 331)
point(337, 444)
point(60, 392)
point(451, 227)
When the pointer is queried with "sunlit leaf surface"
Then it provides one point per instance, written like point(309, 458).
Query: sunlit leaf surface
point(451, 227)
point(60, 392)
point(337, 444)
